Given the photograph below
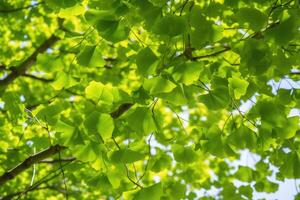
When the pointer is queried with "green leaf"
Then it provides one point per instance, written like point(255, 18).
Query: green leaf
point(13, 105)
point(145, 61)
point(246, 191)
point(253, 17)
point(238, 87)
point(99, 93)
point(72, 138)
point(209, 31)
point(126, 156)
point(90, 56)
point(63, 80)
point(286, 31)
point(187, 73)
point(216, 99)
point(161, 163)
point(176, 96)
point(243, 137)
point(266, 186)
point(170, 26)
point(184, 154)
point(154, 192)
point(272, 113)
point(291, 166)
point(215, 146)
point(91, 122)
point(105, 126)
point(71, 11)
point(158, 85)
point(50, 114)
point(290, 128)
point(88, 152)
point(141, 121)
point(255, 56)
point(244, 174)
point(115, 174)
point(107, 24)
point(176, 190)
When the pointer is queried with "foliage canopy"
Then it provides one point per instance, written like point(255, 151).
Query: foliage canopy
point(147, 99)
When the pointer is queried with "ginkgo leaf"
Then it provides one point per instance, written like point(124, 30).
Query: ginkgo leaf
point(109, 26)
point(238, 86)
point(184, 154)
point(291, 166)
point(253, 17)
point(187, 73)
point(244, 174)
point(145, 61)
point(141, 121)
point(207, 29)
point(71, 11)
point(149, 99)
point(290, 128)
point(99, 92)
point(286, 30)
point(91, 56)
point(105, 126)
point(126, 156)
point(158, 85)
point(255, 56)
point(171, 26)
point(243, 137)
point(176, 96)
point(63, 80)
point(153, 192)
point(216, 99)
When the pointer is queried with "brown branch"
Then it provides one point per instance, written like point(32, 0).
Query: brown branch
point(26, 64)
point(2, 67)
point(11, 196)
point(122, 108)
point(10, 10)
point(211, 55)
point(41, 156)
point(54, 161)
point(295, 73)
point(275, 6)
point(38, 78)
point(12, 173)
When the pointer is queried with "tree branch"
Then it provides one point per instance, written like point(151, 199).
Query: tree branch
point(295, 73)
point(211, 55)
point(26, 64)
point(122, 108)
point(30, 161)
point(41, 156)
point(53, 161)
point(38, 78)
point(10, 10)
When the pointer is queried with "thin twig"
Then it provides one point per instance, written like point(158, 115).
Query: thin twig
point(45, 80)
point(28, 162)
point(63, 175)
point(150, 155)
point(126, 168)
point(211, 55)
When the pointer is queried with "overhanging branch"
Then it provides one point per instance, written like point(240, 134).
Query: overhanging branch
point(122, 108)
point(211, 55)
point(26, 64)
point(28, 162)
point(38, 78)
point(11, 10)
point(41, 156)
